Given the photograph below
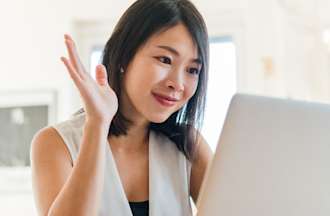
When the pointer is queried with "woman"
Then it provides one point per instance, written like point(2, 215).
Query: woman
point(133, 149)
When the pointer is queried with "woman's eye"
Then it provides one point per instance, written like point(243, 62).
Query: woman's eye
point(194, 71)
point(165, 60)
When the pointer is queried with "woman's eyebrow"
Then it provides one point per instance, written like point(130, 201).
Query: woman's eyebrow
point(175, 52)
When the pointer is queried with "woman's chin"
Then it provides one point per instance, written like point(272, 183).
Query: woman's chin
point(158, 118)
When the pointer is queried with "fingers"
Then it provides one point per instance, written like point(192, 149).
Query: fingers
point(101, 75)
point(73, 73)
point(73, 55)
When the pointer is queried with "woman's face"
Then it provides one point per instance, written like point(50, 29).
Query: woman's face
point(162, 76)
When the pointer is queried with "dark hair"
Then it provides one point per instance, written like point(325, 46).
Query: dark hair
point(139, 22)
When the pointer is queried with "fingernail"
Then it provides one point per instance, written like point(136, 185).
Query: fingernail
point(68, 41)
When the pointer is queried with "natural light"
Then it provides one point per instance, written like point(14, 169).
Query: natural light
point(221, 87)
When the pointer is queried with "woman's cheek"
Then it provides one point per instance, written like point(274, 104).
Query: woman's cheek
point(192, 87)
point(158, 72)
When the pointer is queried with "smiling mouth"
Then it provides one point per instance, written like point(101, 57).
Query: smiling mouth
point(164, 101)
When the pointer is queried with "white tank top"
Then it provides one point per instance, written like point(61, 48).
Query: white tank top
point(169, 174)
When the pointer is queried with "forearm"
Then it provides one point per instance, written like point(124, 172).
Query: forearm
point(81, 193)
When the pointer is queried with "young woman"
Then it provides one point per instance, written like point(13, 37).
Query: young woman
point(134, 148)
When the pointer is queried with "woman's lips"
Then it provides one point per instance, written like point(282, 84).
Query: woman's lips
point(163, 100)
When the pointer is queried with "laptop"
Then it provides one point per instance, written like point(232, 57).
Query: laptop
point(272, 159)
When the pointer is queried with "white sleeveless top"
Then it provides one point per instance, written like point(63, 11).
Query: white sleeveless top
point(169, 174)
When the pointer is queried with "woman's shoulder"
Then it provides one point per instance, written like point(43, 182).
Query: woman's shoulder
point(52, 134)
point(69, 132)
point(74, 121)
point(47, 143)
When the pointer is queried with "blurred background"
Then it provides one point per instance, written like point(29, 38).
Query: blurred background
point(276, 48)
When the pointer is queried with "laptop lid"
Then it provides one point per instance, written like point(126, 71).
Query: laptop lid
point(272, 158)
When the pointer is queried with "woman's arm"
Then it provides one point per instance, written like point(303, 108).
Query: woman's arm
point(199, 166)
point(59, 188)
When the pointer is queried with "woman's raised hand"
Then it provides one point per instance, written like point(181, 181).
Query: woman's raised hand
point(100, 101)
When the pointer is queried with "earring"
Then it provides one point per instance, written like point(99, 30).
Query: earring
point(121, 70)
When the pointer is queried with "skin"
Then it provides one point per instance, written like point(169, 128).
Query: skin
point(171, 73)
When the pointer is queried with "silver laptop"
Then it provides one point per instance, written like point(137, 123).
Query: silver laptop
point(272, 159)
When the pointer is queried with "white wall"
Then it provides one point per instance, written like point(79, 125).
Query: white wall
point(32, 43)
point(279, 45)
point(265, 31)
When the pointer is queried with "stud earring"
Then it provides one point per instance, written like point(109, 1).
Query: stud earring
point(121, 70)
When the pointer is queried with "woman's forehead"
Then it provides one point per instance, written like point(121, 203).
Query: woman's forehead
point(177, 38)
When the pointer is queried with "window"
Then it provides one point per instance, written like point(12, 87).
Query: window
point(22, 114)
point(221, 87)
point(95, 59)
point(18, 125)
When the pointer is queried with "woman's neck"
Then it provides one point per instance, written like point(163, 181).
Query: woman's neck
point(137, 139)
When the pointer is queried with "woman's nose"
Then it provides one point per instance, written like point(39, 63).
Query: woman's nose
point(175, 81)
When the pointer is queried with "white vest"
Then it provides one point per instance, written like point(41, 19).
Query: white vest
point(169, 174)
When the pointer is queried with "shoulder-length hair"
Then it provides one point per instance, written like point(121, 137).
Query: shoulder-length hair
point(139, 22)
